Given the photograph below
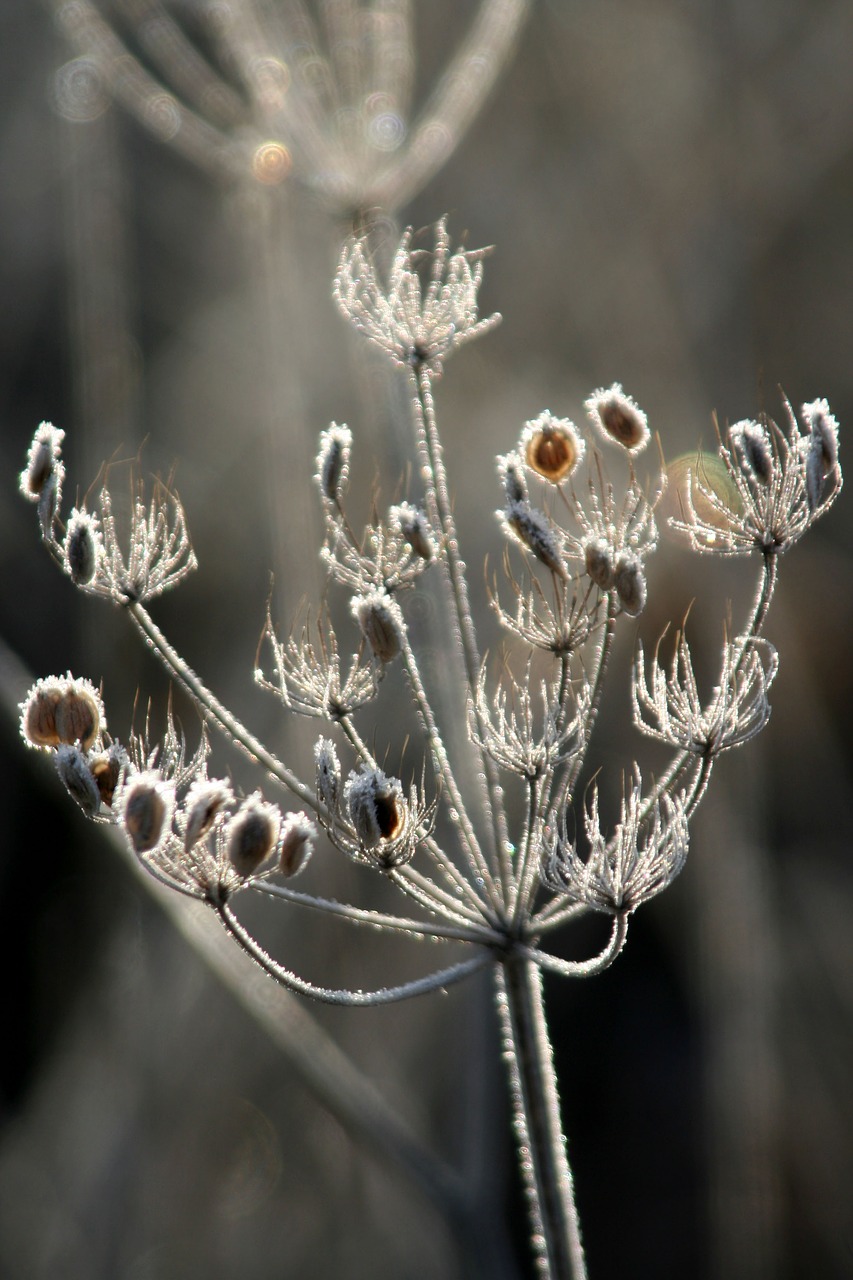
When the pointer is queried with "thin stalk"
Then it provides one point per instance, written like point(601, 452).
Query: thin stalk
point(212, 709)
point(541, 1144)
point(329, 995)
point(439, 496)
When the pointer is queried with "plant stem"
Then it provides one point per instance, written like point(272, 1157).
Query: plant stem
point(541, 1144)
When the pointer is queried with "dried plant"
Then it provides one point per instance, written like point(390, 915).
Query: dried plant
point(495, 870)
point(284, 92)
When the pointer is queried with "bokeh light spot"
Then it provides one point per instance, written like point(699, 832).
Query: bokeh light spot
point(271, 163)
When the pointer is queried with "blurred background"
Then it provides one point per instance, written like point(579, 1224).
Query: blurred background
point(669, 188)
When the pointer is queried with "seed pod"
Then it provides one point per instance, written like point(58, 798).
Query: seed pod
point(82, 547)
point(381, 624)
point(751, 446)
point(48, 500)
point(552, 447)
point(415, 528)
point(512, 478)
point(252, 835)
point(619, 418)
point(376, 806)
point(630, 583)
point(73, 768)
point(598, 561)
point(333, 460)
point(822, 472)
point(296, 845)
point(146, 808)
point(205, 799)
point(534, 531)
point(38, 713)
point(106, 770)
point(328, 773)
point(42, 460)
point(79, 714)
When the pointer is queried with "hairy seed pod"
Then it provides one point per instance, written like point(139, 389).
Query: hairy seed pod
point(751, 446)
point(78, 715)
point(619, 418)
point(630, 583)
point(333, 460)
point(415, 528)
point(534, 531)
point(106, 770)
point(296, 845)
point(598, 561)
point(82, 548)
point(42, 460)
point(38, 713)
point(73, 768)
point(552, 447)
point(381, 624)
point(376, 806)
point(147, 804)
point(252, 835)
point(48, 500)
point(206, 799)
point(512, 478)
point(328, 773)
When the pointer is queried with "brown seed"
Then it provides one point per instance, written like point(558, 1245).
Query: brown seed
point(77, 717)
point(39, 718)
point(551, 453)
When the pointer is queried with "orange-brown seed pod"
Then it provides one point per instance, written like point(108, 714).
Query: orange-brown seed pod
point(38, 714)
point(552, 447)
point(78, 717)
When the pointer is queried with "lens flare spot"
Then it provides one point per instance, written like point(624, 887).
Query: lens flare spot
point(162, 116)
point(695, 477)
point(271, 163)
point(78, 91)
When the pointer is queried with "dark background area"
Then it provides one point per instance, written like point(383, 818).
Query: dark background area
point(669, 188)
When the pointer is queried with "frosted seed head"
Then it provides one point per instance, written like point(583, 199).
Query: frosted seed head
point(146, 805)
point(598, 561)
point(823, 429)
point(296, 845)
point(618, 418)
point(206, 799)
point(750, 445)
point(82, 547)
point(552, 447)
point(534, 531)
point(252, 835)
point(328, 773)
point(38, 713)
point(79, 714)
point(376, 806)
point(42, 460)
point(107, 769)
point(333, 461)
point(630, 583)
point(512, 478)
point(381, 624)
point(73, 768)
point(49, 499)
point(415, 528)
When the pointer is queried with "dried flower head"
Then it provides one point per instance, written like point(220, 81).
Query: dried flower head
point(74, 770)
point(251, 835)
point(333, 461)
point(43, 461)
point(532, 529)
point(412, 523)
point(62, 710)
point(206, 800)
point(641, 858)
point(82, 548)
point(668, 707)
point(618, 418)
point(783, 480)
point(296, 843)
point(551, 446)
point(418, 323)
point(381, 624)
point(145, 806)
